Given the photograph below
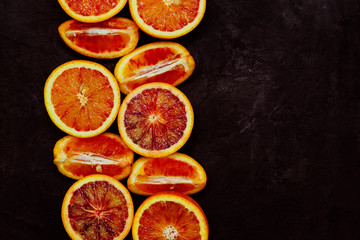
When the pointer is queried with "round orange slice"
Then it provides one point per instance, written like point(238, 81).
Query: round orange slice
point(112, 38)
point(82, 98)
point(167, 62)
point(168, 18)
point(97, 207)
point(92, 11)
point(177, 172)
point(106, 154)
point(170, 216)
point(155, 119)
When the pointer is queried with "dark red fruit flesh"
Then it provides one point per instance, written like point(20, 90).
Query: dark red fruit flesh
point(155, 119)
point(97, 210)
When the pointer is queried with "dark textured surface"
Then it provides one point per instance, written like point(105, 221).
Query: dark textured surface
point(276, 99)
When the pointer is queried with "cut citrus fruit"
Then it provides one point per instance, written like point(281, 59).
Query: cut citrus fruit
point(92, 11)
point(168, 18)
point(106, 154)
point(167, 62)
point(155, 119)
point(112, 38)
point(176, 172)
point(97, 207)
point(82, 98)
point(170, 216)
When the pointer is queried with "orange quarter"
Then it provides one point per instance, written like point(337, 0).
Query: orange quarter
point(176, 172)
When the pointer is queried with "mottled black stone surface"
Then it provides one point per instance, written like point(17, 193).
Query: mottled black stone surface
point(276, 99)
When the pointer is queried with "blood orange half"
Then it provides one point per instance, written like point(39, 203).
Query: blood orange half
point(82, 98)
point(112, 38)
point(155, 119)
point(177, 172)
point(92, 11)
point(106, 154)
point(167, 62)
point(170, 216)
point(168, 18)
point(97, 207)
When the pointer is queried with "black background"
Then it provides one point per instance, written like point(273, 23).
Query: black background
point(276, 99)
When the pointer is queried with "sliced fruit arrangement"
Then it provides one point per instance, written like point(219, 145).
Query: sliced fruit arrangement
point(97, 207)
point(92, 11)
point(112, 38)
point(177, 172)
point(167, 62)
point(169, 18)
point(169, 216)
point(155, 119)
point(82, 98)
point(106, 154)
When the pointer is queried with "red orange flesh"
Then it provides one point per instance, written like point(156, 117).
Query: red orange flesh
point(155, 119)
point(82, 98)
point(108, 39)
point(169, 216)
point(166, 62)
point(167, 19)
point(92, 11)
point(106, 154)
point(177, 172)
point(97, 207)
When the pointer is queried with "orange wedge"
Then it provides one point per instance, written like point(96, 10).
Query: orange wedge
point(82, 98)
point(177, 172)
point(106, 154)
point(168, 18)
point(97, 207)
point(112, 38)
point(155, 119)
point(92, 11)
point(170, 216)
point(166, 62)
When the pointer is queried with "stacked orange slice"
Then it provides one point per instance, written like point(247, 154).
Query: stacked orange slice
point(112, 38)
point(167, 62)
point(82, 98)
point(106, 154)
point(92, 11)
point(155, 119)
point(170, 215)
point(97, 207)
point(177, 172)
point(168, 18)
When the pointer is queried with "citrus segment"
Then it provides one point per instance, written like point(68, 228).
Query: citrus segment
point(168, 18)
point(166, 62)
point(82, 98)
point(176, 172)
point(97, 207)
point(109, 39)
point(92, 11)
point(169, 216)
point(155, 119)
point(106, 154)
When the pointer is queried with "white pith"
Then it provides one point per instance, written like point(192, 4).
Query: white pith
point(90, 159)
point(97, 32)
point(157, 69)
point(158, 180)
point(169, 2)
point(170, 233)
